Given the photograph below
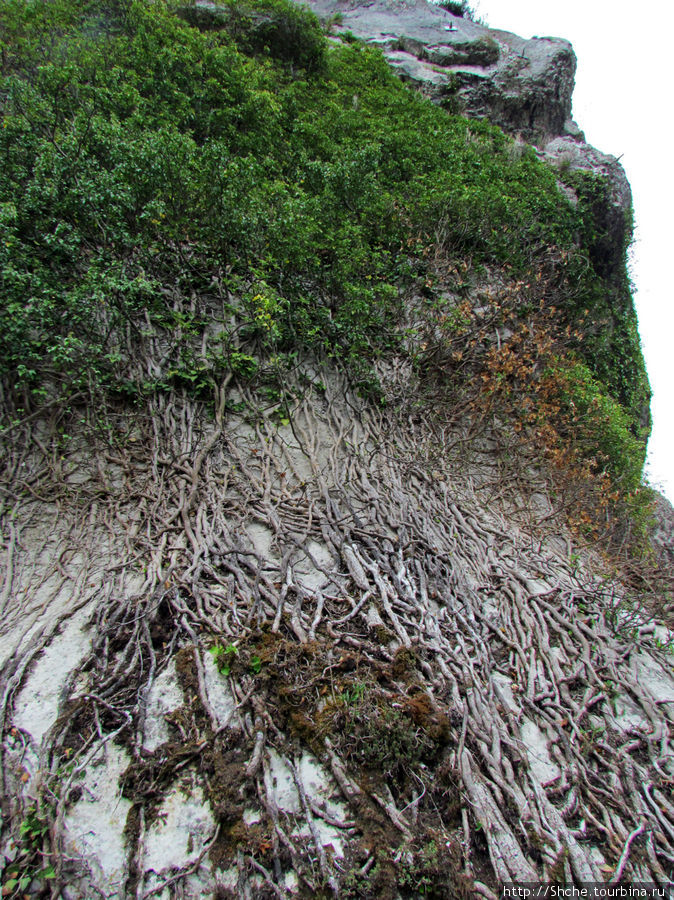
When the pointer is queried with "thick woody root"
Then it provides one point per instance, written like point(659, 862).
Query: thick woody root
point(337, 604)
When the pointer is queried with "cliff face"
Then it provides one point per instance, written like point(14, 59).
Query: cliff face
point(352, 672)
point(315, 581)
point(522, 86)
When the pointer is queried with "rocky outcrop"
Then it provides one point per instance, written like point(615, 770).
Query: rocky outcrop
point(662, 532)
point(611, 206)
point(524, 86)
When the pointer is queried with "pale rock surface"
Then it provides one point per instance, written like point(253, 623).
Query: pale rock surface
point(320, 791)
point(37, 704)
point(536, 744)
point(311, 566)
point(183, 826)
point(218, 693)
point(164, 697)
point(95, 823)
point(662, 533)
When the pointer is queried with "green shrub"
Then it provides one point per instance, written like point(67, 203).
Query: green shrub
point(144, 159)
point(455, 7)
point(601, 425)
point(285, 30)
point(461, 8)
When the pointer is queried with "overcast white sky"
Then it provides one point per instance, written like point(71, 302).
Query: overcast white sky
point(622, 101)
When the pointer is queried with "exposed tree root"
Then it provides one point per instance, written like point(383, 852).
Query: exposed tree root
point(462, 682)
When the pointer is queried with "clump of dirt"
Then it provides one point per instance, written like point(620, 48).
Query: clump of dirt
point(187, 674)
point(225, 769)
point(146, 780)
point(428, 866)
point(79, 723)
point(132, 829)
point(385, 732)
point(404, 663)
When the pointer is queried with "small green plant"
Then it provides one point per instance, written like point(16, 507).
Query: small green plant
point(26, 866)
point(667, 644)
point(593, 732)
point(255, 665)
point(353, 696)
point(455, 7)
point(419, 871)
point(243, 364)
point(281, 416)
point(224, 657)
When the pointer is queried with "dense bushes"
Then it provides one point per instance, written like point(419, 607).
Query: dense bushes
point(287, 32)
point(144, 160)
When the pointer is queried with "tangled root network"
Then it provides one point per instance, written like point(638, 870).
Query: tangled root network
point(317, 649)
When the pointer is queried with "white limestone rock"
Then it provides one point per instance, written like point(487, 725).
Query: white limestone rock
point(95, 823)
